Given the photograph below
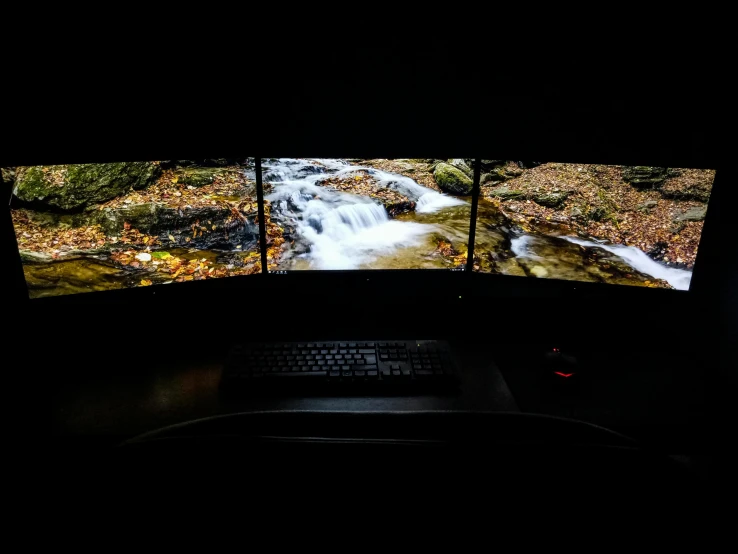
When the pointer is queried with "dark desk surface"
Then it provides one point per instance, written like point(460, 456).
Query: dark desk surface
point(121, 405)
point(664, 400)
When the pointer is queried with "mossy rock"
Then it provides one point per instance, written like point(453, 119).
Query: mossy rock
point(452, 180)
point(644, 176)
point(462, 165)
point(551, 200)
point(505, 193)
point(494, 176)
point(692, 214)
point(78, 186)
point(198, 176)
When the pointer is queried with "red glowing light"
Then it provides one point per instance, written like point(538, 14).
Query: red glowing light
point(563, 374)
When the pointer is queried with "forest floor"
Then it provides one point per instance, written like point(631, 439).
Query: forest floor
point(600, 204)
point(133, 250)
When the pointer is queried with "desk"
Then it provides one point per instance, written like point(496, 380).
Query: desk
point(138, 397)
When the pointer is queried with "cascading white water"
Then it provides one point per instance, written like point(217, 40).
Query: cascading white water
point(346, 231)
point(677, 278)
point(520, 246)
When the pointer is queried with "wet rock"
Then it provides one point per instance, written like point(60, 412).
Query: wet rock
point(551, 200)
point(658, 251)
point(78, 186)
point(575, 213)
point(692, 214)
point(648, 205)
point(198, 176)
point(505, 193)
point(458, 163)
point(396, 208)
point(452, 180)
point(645, 177)
point(495, 176)
point(206, 227)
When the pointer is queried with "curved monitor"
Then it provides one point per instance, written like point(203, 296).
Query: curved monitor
point(338, 223)
point(624, 225)
point(109, 226)
point(359, 214)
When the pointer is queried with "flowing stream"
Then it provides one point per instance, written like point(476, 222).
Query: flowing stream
point(330, 229)
point(340, 230)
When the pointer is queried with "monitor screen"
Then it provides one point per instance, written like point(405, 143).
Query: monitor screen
point(348, 214)
point(96, 227)
point(628, 225)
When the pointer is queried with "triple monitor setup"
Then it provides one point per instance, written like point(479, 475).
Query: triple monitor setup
point(100, 227)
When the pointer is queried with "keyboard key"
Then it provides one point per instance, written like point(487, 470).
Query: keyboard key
point(423, 372)
point(370, 359)
point(372, 373)
point(344, 351)
point(359, 373)
point(314, 374)
point(346, 373)
point(345, 367)
point(333, 351)
point(329, 357)
point(370, 345)
point(330, 362)
point(370, 367)
point(334, 373)
point(366, 351)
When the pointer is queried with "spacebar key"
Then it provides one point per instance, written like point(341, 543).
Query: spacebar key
point(296, 374)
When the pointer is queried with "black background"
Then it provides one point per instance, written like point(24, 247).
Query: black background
point(636, 94)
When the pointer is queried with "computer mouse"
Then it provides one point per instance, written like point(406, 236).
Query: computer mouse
point(560, 364)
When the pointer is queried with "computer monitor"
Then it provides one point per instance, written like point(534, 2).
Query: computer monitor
point(623, 225)
point(367, 214)
point(106, 226)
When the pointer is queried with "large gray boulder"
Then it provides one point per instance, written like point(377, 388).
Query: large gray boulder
point(78, 186)
point(452, 180)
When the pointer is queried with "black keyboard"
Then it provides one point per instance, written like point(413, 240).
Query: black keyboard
point(361, 365)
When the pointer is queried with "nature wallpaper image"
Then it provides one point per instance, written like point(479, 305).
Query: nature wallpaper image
point(370, 214)
point(93, 227)
point(598, 223)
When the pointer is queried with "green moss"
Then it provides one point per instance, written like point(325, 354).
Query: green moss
point(452, 180)
point(75, 187)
